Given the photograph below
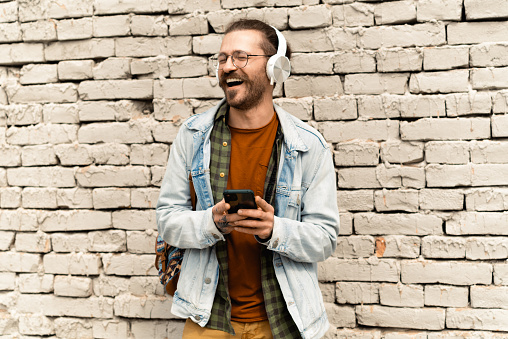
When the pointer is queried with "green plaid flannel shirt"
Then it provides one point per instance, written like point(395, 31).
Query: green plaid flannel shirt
point(281, 322)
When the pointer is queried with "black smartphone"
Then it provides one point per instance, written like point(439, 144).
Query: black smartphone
point(239, 199)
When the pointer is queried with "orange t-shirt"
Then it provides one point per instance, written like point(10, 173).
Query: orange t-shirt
point(250, 154)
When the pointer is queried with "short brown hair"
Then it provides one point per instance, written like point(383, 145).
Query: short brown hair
point(270, 42)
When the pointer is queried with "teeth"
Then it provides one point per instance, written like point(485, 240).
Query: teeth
point(233, 80)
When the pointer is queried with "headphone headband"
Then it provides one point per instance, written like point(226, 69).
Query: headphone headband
point(281, 49)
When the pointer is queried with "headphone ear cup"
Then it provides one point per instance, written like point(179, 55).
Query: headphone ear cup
point(278, 68)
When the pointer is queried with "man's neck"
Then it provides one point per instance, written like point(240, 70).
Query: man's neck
point(252, 118)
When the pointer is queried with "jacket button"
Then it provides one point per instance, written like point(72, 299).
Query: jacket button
point(216, 236)
point(208, 280)
point(275, 243)
point(197, 317)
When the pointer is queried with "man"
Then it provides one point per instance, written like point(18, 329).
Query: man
point(252, 274)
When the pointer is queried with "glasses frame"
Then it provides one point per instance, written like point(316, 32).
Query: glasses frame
point(216, 63)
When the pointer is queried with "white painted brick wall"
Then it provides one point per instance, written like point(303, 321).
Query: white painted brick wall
point(411, 96)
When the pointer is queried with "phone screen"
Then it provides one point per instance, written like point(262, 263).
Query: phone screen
point(239, 199)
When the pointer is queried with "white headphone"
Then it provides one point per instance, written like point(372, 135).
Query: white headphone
point(278, 67)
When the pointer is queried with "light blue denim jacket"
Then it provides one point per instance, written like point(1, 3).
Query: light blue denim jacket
point(305, 227)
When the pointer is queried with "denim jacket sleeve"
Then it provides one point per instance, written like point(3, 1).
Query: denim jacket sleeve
point(178, 225)
point(308, 230)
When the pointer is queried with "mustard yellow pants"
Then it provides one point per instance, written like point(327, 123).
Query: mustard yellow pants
point(255, 330)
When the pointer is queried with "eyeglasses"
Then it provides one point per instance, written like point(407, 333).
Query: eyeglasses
point(239, 59)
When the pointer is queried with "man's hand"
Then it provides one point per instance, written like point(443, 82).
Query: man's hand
point(260, 221)
point(222, 220)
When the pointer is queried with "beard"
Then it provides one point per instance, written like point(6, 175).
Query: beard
point(254, 90)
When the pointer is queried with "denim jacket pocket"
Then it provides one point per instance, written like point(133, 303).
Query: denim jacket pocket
point(294, 209)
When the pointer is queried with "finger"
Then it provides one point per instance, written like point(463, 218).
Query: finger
point(263, 204)
point(221, 207)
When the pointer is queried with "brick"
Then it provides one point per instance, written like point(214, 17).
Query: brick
point(302, 108)
point(443, 58)
point(157, 329)
point(414, 318)
point(487, 199)
point(488, 78)
point(105, 176)
point(498, 123)
point(53, 306)
point(116, 89)
point(18, 220)
point(68, 286)
point(441, 247)
point(453, 273)
point(402, 152)
point(489, 55)
point(33, 197)
point(346, 224)
point(201, 88)
point(146, 285)
point(188, 66)
point(357, 293)
point(356, 61)
point(254, 3)
point(398, 200)
point(335, 269)
point(75, 69)
point(447, 152)
point(149, 47)
point(6, 240)
point(310, 17)
point(401, 295)
point(113, 25)
point(75, 29)
point(357, 200)
point(440, 82)
point(399, 60)
point(144, 197)
point(128, 264)
point(73, 155)
point(143, 307)
point(427, 34)
point(108, 241)
point(141, 242)
point(484, 223)
point(315, 63)
point(10, 32)
point(38, 74)
point(74, 264)
point(10, 197)
point(314, 40)
point(375, 83)
point(189, 25)
point(80, 49)
point(168, 88)
point(129, 6)
point(153, 154)
point(343, 38)
point(7, 281)
point(488, 174)
point(500, 102)
point(465, 104)
point(356, 14)
point(23, 53)
point(357, 153)
point(397, 246)
point(379, 106)
point(35, 283)
point(478, 319)
point(69, 9)
point(446, 296)
point(110, 328)
point(41, 177)
point(500, 274)
point(35, 324)
point(366, 130)
point(490, 9)
point(74, 198)
point(445, 129)
point(10, 156)
point(138, 131)
point(354, 247)
point(310, 86)
point(52, 93)
point(70, 242)
point(9, 12)
point(112, 68)
point(341, 108)
point(486, 248)
point(476, 32)
point(157, 173)
point(41, 134)
point(340, 316)
point(407, 224)
point(110, 286)
point(119, 110)
point(33, 242)
point(110, 198)
point(73, 328)
point(371, 177)
point(19, 262)
point(154, 66)
point(441, 199)
point(144, 25)
point(449, 10)
point(37, 31)
point(395, 12)
point(74, 220)
point(60, 113)
point(448, 175)
point(134, 220)
point(109, 154)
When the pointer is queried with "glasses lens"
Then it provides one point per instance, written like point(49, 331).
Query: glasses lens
point(240, 59)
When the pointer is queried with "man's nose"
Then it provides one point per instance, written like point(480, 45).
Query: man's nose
point(229, 66)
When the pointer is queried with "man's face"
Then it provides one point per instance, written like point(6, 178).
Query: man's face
point(244, 87)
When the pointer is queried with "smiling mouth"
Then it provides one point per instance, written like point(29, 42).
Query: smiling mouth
point(233, 82)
